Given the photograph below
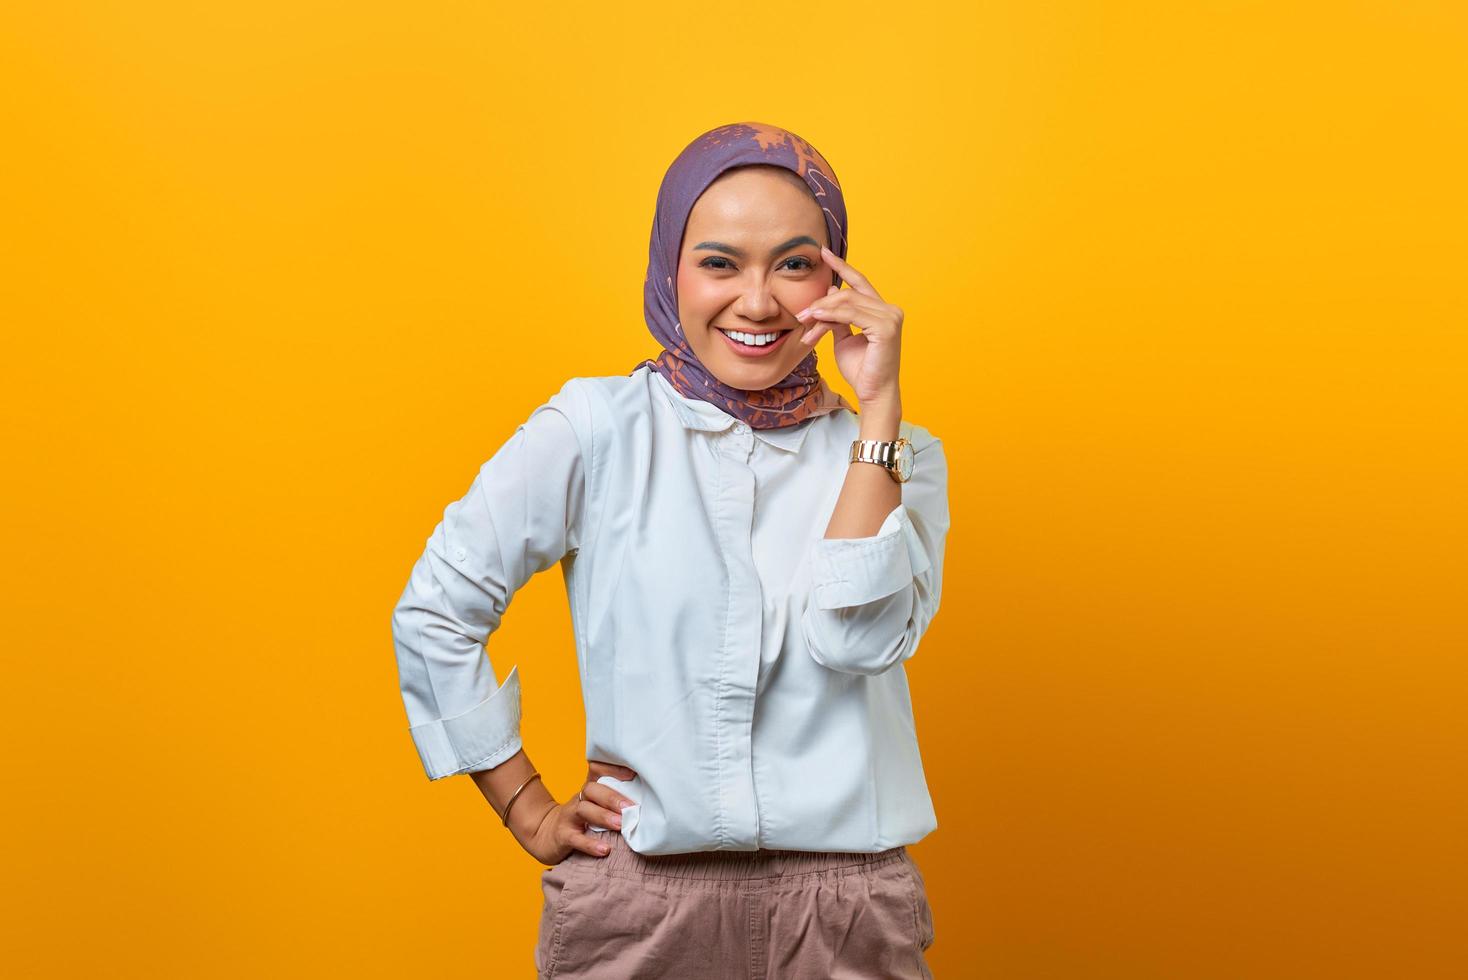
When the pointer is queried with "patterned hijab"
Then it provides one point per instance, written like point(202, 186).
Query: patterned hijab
point(801, 394)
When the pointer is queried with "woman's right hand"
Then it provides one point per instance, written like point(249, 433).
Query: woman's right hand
point(564, 827)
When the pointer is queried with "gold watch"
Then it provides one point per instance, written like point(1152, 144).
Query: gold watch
point(895, 456)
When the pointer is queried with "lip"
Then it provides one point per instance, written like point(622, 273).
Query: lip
point(764, 351)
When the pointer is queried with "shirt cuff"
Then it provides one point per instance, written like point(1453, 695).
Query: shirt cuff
point(480, 738)
point(853, 571)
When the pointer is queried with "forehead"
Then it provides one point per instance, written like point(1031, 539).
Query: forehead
point(757, 202)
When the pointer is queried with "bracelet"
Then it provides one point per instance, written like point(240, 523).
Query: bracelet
point(506, 816)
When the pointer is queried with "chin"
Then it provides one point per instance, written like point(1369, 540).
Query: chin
point(750, 377)
point(738, 372)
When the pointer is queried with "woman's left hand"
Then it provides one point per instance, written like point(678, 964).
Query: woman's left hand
point(867, 360)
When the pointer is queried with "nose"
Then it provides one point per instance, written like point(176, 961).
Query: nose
point(756, 302)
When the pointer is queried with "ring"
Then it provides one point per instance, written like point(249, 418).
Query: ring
point(578, 796)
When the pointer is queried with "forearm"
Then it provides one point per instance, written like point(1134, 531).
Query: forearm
point(533, 803)
point(869, 493)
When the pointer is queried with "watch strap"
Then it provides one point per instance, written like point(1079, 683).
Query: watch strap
point(883, 452)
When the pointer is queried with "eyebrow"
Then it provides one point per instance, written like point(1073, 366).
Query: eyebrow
point(731, 250)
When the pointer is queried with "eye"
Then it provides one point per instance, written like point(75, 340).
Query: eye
point(714, 258)
point(800, 258)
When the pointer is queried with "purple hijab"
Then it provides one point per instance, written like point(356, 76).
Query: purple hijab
point(801, 394)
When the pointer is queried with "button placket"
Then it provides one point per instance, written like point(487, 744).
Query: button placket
point(742, 439)
point(739, 674)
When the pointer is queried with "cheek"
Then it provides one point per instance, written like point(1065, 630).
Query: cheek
point(699, 299)
point(799, 295)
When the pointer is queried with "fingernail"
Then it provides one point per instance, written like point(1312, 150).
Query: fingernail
point(603, 848)
point(802, 313)
point(615, 822)
point(625, 803)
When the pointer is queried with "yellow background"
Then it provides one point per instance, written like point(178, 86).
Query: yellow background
point(1185, 300)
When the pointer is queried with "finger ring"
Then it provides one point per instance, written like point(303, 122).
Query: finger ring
point(578, 796)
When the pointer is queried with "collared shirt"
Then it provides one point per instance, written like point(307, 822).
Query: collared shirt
point(746, 667)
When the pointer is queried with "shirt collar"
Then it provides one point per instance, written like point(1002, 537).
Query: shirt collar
point(695, 413)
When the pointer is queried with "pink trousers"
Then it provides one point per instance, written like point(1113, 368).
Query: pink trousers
point(733, 915)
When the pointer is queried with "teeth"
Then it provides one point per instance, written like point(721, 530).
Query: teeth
point(754, 339)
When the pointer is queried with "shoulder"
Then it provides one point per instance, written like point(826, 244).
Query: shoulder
point(615, 390)
point(601, 407)
point(921, 438)
point(618, 401)
point(585, 396)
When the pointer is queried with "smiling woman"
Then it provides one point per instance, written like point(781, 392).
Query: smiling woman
point(745, 587)
point(750, 260)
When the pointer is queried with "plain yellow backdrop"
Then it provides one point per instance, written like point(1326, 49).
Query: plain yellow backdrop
point(1185, 300)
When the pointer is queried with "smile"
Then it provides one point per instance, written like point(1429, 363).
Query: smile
point(754, 344)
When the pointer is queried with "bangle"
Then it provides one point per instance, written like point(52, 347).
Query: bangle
point(506, 816)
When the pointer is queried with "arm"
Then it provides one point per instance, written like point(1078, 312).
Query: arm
point(532, 806)
point(525, 511)
point(522, 514)
point(869, 493)
point(878, 571)
point(877, 574)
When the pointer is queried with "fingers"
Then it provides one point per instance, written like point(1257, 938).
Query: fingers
point(814, 333)
point(838, 326)
point(599, 806)
point(588, 843)
point(809, 319)
point(594, 810)
point(858, 309)
point(836, 310)
point(605, 796)
point(572, 828)
point(598, 816)
point(846, 272)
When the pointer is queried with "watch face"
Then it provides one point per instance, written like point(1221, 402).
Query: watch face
point(904, 462)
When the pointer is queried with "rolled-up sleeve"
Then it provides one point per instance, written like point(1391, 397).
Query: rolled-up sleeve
point(873, 598)
point(521, 515)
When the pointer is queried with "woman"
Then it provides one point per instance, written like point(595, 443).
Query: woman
point(749, 562)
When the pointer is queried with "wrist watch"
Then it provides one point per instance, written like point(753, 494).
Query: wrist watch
point(895, 456)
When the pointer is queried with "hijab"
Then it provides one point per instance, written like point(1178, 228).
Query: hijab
point(803, 393)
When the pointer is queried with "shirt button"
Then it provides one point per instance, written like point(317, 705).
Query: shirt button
point(460, 554)
point(741, 428)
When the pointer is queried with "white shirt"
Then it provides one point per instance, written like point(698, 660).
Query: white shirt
point(749, 670)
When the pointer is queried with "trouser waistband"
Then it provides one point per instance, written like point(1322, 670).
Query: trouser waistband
point(736, 865)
